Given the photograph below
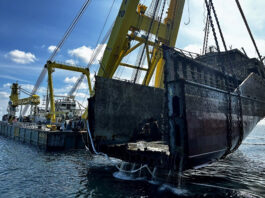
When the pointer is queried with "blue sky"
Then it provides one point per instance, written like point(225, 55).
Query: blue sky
point(29, 28)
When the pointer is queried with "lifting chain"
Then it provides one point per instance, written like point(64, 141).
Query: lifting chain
point(160, 19)
point(239, 102)
point(229, 118)
point(159, 24)
point(156, 5)
point(239, 114)
point(218, 24)
point(212, 25)
point(206, 36)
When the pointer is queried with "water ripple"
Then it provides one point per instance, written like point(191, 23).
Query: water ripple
point(28, 172)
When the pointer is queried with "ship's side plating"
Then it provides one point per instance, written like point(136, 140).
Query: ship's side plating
point(197, 106)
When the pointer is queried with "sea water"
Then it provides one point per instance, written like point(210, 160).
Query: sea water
point(28, 172)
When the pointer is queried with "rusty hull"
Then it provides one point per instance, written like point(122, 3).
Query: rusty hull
point(197, 108)
point(192, 108)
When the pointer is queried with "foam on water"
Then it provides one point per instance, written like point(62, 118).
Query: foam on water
point(127, 177)
point(173, 189)
point(28, 172)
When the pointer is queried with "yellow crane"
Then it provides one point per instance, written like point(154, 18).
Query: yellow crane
point(131, 19)
point(15, 101)
point(51, 66)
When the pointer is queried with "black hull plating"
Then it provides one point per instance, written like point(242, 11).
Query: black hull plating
point(197, 110)
point(194, 124)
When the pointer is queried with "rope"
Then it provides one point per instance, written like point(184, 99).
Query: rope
point(105, 155)
point(187, 23)
point(137, 170)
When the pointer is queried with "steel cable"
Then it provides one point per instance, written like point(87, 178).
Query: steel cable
point(96, 51)
point(69, 30)
point(60, 44)
point(147, 38)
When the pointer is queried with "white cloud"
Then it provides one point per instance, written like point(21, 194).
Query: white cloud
point(29, 88)
point(193, 48)
point(4, 94)
point(4, 98)
point(83, 86)
point(71, 62)
point(51, 48)
point(81, 95)
point(9, 77)
point(63, 90)
point(21, 57)
point(3, 107)
point(70, 79)
point(85, 54)
point(7, 85)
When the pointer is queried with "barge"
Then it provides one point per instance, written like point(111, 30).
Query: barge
point(42, 138)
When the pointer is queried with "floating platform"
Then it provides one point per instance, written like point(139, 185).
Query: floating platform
point(45, 140)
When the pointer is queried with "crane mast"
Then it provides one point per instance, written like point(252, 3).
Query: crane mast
point(14, 97)
point(131, 19)
point(51, 66)
point(15, 101)
point(130, 22)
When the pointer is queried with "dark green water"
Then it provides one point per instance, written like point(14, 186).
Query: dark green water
point(27, 172)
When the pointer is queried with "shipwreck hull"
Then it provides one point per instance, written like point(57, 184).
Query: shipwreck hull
point(198, 113)
point(202, 114)
point(197, 106)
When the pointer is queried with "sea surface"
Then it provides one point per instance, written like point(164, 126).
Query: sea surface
point(28, 172)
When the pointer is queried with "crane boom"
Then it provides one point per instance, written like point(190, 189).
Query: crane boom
point(132, 19)
point(53, 65)
point(34, 100)
point(14, 97)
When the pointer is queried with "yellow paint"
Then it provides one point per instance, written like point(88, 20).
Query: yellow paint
point(53, 65)
point(132, 18)
point(16, 132)
point(14, 98)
